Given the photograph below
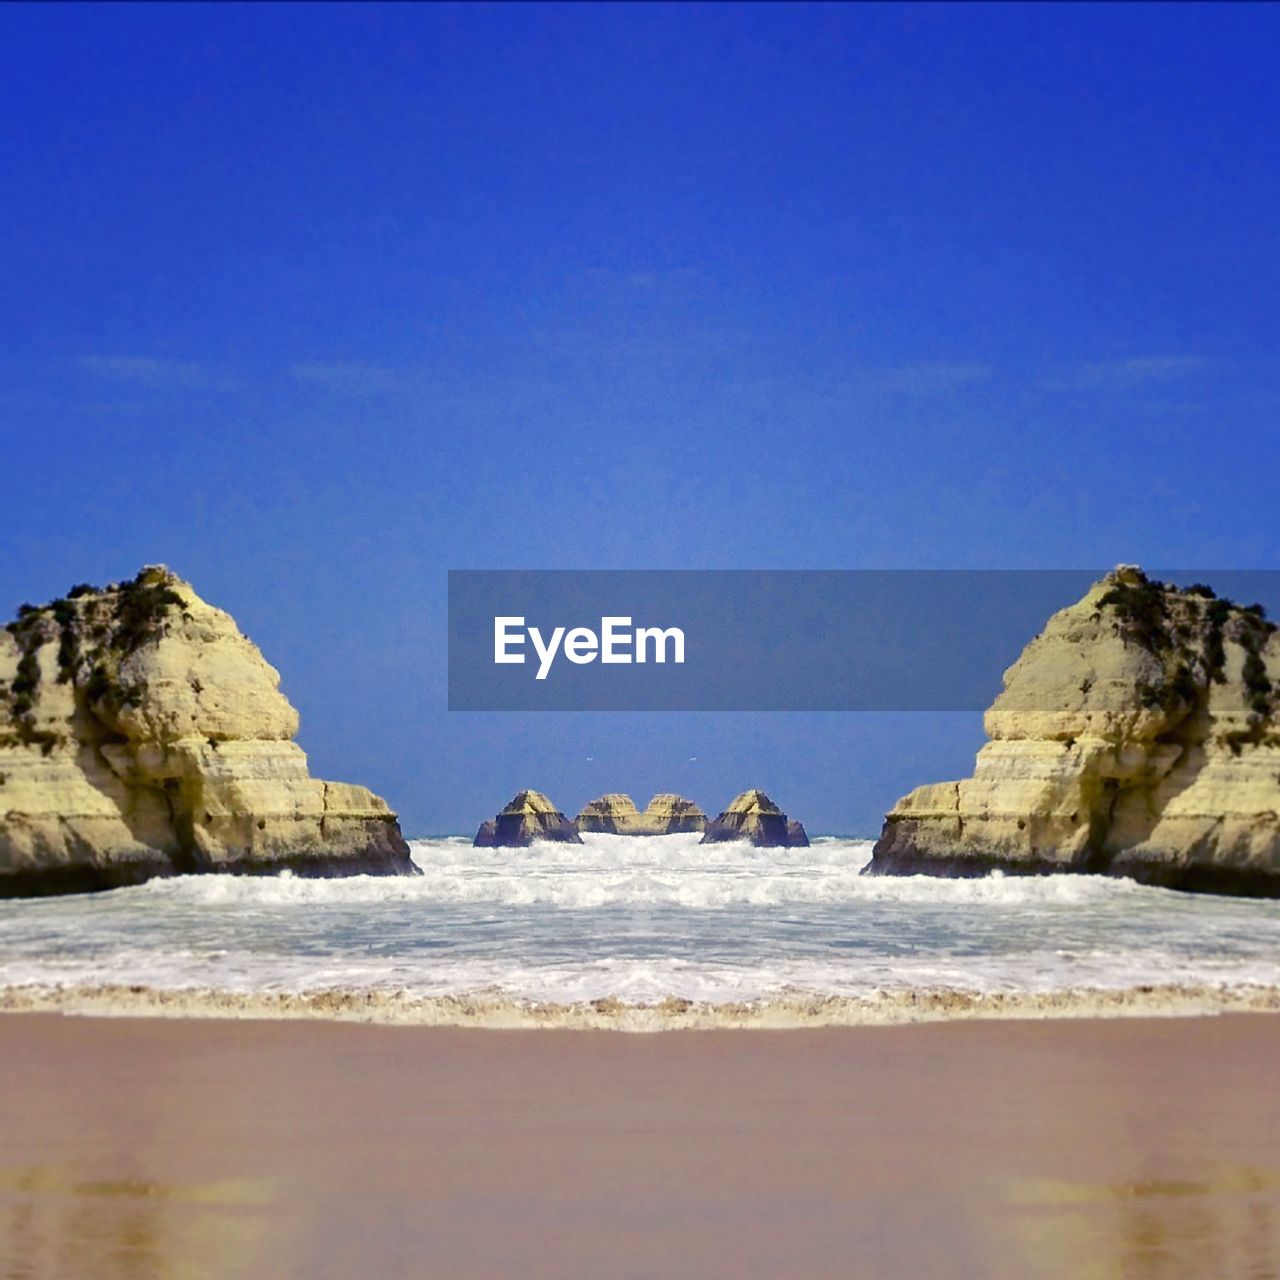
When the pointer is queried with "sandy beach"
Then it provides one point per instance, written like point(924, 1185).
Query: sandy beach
point(196, 1148)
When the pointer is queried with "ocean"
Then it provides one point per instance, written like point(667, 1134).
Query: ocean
point(640, 922)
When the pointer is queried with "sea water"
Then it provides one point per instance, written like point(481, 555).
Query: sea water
point(639, 920)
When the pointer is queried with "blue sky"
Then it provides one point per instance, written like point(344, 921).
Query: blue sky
point(314, 304)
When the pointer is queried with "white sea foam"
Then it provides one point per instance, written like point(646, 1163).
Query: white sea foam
point(640, 921)
point(639, 871)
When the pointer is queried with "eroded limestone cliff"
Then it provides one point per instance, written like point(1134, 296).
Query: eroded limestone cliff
point(141, 734)
point(1137, 735)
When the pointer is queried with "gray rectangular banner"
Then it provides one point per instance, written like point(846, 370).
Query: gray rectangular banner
point(768, 640)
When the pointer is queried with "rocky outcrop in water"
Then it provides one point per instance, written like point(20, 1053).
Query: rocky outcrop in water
point(797, 837)
point(141, 734)
point(530, 816)
point(755, 818)
point(1136, 736)
point(667, 814)
point(664, 815)
point(614, 814)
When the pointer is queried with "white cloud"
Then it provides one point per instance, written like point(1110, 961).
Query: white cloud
point(145, 370)
point(930, 377)
point(351, 376)
point(1136, 370)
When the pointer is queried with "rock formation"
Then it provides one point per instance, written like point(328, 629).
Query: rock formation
point(141, 734)
point(664, 815)
point(797, 837)
point(667, 814)
point(615, 813)
point(753, 817)
point(1137, 735)
point(530, 816)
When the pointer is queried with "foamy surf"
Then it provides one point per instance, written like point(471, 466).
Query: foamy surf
point(496, 1011)
point(640, 933)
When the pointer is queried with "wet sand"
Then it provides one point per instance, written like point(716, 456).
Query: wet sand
point(196, 1148)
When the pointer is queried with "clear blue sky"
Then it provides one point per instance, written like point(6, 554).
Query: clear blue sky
point(314, 304)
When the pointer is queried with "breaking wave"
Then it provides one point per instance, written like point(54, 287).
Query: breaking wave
point(639, 871)
point(640, 924)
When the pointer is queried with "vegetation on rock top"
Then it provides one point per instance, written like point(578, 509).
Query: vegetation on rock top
point(1187, 630)
point(96, 629)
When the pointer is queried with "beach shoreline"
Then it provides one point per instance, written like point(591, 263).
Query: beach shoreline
point(1100, 1147)
point(496, 1010)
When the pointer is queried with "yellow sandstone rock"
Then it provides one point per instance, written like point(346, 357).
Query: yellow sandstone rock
point(142, 734)
point(1137, 735)
point(666, 814)
point(615, 814)
point(527, 818)
point(753, 817)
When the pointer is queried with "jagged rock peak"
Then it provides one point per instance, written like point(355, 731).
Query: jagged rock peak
point(754, 801)
point(752, 816)
point(529, 802)
point(527, 818)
